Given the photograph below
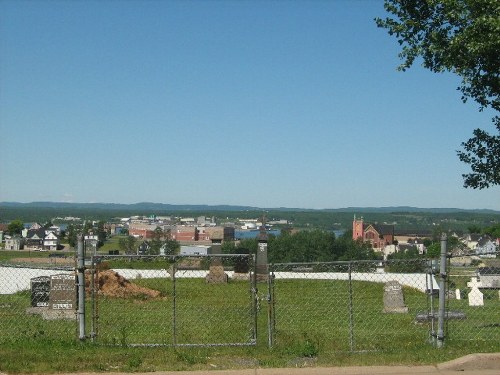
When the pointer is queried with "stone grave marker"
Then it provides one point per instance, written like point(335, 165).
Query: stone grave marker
point(40, 290)
point(475, 296)
point(216, 274)
point(393, 298)
point(62, 292)
point(457, 294)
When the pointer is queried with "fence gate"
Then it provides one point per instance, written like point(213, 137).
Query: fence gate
point(352, 306)
point(172, 300)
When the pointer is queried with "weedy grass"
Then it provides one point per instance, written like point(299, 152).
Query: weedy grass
point(315, 323)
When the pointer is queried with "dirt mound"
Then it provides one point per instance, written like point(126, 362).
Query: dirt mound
point(112, 284)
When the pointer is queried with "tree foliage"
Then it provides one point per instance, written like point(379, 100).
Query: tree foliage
point(128, 245)
point(72, 235)
point(407, 261)
point(15, 227)
point(462, 37)
point(482, 153)
point(492, 231)
point(307, 246)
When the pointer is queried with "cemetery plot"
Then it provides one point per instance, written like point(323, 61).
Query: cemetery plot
point(201, 305)
point(481, 307)
point(327, 307)
point(25, 312)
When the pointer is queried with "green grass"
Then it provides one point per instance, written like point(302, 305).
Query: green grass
point(311, 326)
point(111, 243)
point(6, 255)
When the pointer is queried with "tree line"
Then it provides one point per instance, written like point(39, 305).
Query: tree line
point(306, 246)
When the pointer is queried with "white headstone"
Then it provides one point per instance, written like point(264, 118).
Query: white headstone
point(475, 296)
point(457, 294)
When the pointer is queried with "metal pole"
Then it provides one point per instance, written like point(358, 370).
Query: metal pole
point(81, 288)
point(174, 304)
point(270, 310)
point(442, 292)
point(430, 276)
point(351, 315)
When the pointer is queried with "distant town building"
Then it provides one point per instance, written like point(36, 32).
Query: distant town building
point(378, 235)
point(14, 243)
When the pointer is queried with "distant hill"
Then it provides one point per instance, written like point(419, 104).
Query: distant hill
point(155, 207)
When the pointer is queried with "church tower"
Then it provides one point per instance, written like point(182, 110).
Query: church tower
point(357, 228)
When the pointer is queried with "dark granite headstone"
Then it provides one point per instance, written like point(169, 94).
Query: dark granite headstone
point(40, 290)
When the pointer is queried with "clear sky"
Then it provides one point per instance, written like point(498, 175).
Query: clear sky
point(261, 103)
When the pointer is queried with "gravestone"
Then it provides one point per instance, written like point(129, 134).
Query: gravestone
point(40, 290)
point(216, 275)
point(475, 296)
point(393, 298)
point(457, 294)
point(261, 266)
point(62, 292)
point(216, 272)
point(242, 266)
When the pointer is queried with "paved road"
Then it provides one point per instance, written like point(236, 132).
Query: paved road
point(473, 364)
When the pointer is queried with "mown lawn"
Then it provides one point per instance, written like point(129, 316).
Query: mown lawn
point(315, 322)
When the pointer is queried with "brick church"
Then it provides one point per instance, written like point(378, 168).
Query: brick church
point(378, 235)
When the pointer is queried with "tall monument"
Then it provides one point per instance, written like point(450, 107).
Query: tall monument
point(261, 267)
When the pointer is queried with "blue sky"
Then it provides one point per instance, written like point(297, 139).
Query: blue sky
point(261, 103)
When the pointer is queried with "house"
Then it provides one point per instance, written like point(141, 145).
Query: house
point(35, 226)
point(56, 229)
point(471, 240)
point(378, 235)
point(41, 239)
point(14, 243)
point(144, 248)
point(34, 239)
point(50, 241)
point(489, 277)
point(419, 244)
point(486, 247)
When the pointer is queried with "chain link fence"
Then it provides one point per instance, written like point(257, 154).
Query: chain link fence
point(161, 300)
point(29, 312)
point(353, 306)
point(474, 299)
point(215, 300)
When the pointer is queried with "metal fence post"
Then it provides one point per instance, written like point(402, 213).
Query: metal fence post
point(174, 302)
point(351, 314)
point(430, 291)
point(81, 288)
point(270, 312)
point(442, 292)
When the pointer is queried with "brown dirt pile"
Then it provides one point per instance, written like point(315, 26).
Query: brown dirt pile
point(112, 284)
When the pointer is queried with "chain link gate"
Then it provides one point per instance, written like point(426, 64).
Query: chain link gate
point(342, 306)
point(173, 300)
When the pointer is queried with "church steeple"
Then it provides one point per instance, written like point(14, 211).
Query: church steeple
point(357, 228)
